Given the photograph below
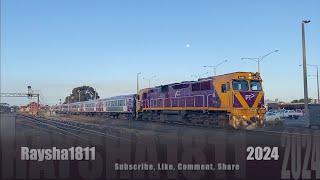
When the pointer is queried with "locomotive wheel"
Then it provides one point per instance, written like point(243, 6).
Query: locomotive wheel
point(234, 123)
point(226, 124)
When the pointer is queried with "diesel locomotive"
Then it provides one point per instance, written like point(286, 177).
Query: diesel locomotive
point(234, 99)
point(230, 100)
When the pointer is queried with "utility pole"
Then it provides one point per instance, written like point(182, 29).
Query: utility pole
point(149, 79)
point(198, 76)
point(216, 66)
point(305, 76)
point(259, 59)
point(138, 81)
point(79, 95)
point(318, 84)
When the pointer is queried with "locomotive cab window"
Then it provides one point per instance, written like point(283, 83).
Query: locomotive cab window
point(255, 86)
point(223, 88)
point(240, 85)
point(228, 86)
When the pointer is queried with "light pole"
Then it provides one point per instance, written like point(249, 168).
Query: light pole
point(305, 78)
point(318, 84)
point(79, 95)
point(199, 75)
point(138, 81)
point(259, 59)
point(90, 94)
point(149, 79)
point(317, 68)
point(216, 66)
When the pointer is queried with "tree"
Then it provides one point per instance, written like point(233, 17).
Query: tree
point(82, 93)
point(300, 101)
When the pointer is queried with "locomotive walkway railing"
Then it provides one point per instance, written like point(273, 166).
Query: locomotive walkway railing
point(187, 101)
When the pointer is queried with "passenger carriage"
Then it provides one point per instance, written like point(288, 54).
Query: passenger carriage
point(89, 106)
point(74, 108)
point(113, 106)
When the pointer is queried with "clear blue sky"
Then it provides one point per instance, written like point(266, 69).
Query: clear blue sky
point(57, 45)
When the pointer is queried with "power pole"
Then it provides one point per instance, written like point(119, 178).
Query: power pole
point(79, 95)
point(138, 81)
point(149, 79)
point(216, 66)
point(259, 59)
point(305, 76)
point(318, 84)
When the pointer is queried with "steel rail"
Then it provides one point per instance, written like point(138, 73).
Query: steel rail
point(67, 126)
point(53, 127)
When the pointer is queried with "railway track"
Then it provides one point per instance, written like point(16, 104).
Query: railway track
point(49, 129)
point(73, 128)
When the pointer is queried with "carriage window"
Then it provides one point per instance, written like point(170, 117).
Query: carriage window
point(121, 102)
point(240, 85)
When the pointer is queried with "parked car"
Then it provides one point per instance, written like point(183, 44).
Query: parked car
point(281, 113)
point(273, 118)
point(292, 114)
point(299, 112)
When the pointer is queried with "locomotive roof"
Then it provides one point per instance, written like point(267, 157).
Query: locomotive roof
point(200, 79)
point(224, 75)
point(96, 100)
point(118, 97)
